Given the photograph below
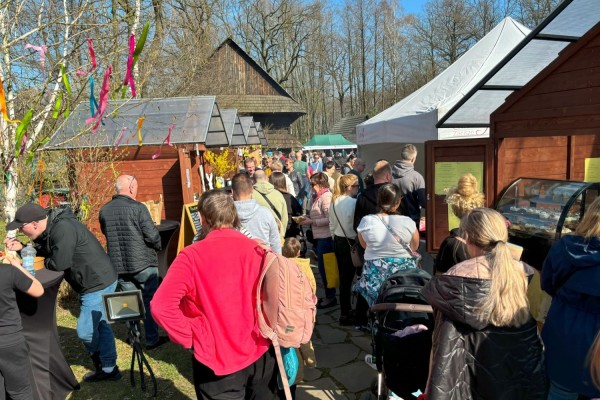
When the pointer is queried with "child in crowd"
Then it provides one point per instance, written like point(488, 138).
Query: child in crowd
point(306, 353)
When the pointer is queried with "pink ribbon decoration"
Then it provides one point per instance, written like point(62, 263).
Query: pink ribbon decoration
point(97, 118)
point(129, 74)
point(23, 145)
point(40, 49)
point(167, 141)
point(92, 57)
point(120, 137)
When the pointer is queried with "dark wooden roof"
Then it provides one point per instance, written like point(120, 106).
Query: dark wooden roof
point(347, 126)
point(256, 104)
point(239, 82)
point(282, 140)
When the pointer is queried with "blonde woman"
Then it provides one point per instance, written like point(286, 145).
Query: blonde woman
point(462, 198)
point(341, 217)
point(571, 275)
point(485, 343)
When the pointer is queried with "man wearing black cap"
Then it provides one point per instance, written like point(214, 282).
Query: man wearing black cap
point(69, 246)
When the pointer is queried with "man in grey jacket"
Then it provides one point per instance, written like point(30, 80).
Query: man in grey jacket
point(410, 182)
point(256, 219)
point(132, 241)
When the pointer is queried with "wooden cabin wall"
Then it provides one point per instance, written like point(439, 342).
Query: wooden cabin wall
point(155, 177)
point(582, 147)
point(237, 76)
point(532, 157)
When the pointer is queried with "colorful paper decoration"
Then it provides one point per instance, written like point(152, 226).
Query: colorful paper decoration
point(40, 49)
point(20, 133)
point(139, 130)
point(97, 118)
point(167, 141)
point(129, 73)
point(3, 109)
point(120, 137)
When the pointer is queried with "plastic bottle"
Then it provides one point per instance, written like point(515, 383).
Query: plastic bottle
point(28, 257)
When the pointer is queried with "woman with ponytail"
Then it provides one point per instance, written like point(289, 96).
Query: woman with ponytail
point(571, 275)
point(341, 217)
point(485, 343)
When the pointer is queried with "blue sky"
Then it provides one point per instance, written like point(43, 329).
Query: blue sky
point(413, 6)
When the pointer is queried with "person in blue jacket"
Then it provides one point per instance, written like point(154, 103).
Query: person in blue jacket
point(571, 274)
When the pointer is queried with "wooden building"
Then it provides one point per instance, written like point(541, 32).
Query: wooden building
point(163, 167)
point(240, 83)
point(549, 127)
point(541, 105)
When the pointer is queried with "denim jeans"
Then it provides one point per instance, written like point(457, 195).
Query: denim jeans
point(558, 392)
point(322, 246)
point(146, 281)
point(92, 328)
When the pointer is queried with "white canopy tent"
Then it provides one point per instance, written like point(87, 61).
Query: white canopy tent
point(414, 118)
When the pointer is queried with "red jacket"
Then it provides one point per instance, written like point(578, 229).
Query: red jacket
point(207, 300)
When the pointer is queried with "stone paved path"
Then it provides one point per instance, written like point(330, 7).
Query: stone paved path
point(341, 371)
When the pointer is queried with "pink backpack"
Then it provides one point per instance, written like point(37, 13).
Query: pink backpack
point(286, 305)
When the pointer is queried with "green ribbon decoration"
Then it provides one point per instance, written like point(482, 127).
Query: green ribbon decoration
point(21, 129)
point(57, 106)
point(65, 80)
point(141, 42)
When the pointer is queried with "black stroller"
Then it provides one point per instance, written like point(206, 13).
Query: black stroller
point(402, 362)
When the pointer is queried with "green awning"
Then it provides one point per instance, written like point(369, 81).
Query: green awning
point(328, 142)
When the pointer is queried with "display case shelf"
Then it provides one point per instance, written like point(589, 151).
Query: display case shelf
point(540, 211)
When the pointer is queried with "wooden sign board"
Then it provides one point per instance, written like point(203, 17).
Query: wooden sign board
point(190, 225)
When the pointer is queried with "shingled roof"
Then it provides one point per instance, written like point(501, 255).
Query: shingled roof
point(347, 126)
point(258, 104)
point(282, 140)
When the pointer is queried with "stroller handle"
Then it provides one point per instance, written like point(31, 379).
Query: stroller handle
point(402, 307)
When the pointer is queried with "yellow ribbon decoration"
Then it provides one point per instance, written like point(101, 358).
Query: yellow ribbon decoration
point(3, 109)
point(140, 122)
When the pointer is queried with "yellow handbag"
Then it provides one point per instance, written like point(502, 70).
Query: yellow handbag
point(332, 273)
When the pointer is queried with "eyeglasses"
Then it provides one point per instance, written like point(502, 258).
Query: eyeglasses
point(131, 183)
point(23, 226)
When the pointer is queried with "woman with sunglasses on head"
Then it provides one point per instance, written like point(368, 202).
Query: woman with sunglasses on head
point(571, 275)
point(341, 217)
point(319, 222)
point(485, 342)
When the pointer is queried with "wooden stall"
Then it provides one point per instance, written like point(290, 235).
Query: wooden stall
point(552, 125)
point(164, 152)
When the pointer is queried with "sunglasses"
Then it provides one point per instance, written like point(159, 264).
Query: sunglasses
point(25, 224)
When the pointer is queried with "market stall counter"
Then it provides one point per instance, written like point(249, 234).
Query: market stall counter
point(53, 378)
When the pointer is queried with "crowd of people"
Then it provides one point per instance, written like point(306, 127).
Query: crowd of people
point(485, 343)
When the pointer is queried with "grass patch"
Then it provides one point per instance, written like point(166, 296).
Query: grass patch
point(172, 365)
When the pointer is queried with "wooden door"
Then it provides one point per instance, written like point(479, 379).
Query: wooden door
point(453, 151)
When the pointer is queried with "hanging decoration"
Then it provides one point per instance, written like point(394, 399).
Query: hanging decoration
point(97, 118)
point(140, 122)
point(20, 133)
point(167, 140)
point(92, 58)
point(129, 74)
point(40, 49)
point(119, 138)
point(93, 102)
point(3, 108)
point(65, 81)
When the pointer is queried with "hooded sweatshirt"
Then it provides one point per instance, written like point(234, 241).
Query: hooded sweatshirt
point(571, 274)
point(278, 205)
point(412, 186)
point(259, 222)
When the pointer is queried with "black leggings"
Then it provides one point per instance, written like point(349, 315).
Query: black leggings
point(347, 270)
point(15, 368)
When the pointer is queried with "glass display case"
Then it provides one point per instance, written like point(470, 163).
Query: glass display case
point(540, 211)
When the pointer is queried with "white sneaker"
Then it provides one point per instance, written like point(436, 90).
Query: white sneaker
point(370, 360)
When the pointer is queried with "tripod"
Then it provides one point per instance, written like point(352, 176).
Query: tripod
point(137, 352)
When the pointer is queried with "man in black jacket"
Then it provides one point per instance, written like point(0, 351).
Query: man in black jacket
point(132, 241)
point(69, 246)
point(366, 202)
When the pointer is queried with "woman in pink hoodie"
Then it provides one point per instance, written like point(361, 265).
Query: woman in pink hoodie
point(206, 303)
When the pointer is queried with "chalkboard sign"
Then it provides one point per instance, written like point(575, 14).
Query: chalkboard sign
point(190, 225)
point(194, 216)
